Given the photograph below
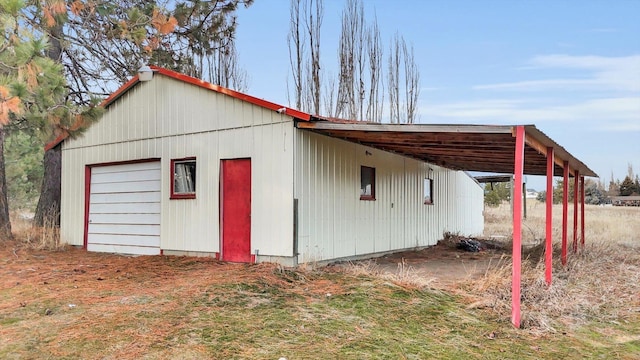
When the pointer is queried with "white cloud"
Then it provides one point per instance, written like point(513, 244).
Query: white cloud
point(602, 94)
point(600, 73)
point(609, 114)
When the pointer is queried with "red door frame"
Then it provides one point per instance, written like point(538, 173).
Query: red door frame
point(241, 226)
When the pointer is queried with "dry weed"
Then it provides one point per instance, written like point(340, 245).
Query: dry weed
point(46, 237)
point(405, 276)
point(610, 223)
point(600, 282)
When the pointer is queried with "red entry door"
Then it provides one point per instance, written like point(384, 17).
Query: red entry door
point(235, 210)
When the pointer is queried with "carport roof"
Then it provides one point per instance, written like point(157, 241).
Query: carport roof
point(484, 148)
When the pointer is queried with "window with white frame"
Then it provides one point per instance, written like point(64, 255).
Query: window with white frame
point(183, 184)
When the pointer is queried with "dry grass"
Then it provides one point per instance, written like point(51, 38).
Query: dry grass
point(599, 283)
point(40, 238)
point(76, 304)
point(620, 225)
point(405, 275)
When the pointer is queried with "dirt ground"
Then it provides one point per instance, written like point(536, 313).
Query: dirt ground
point(443, 266)
point(40, 283)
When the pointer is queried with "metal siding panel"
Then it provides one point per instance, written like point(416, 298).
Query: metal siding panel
point(272, 189)
point(131, 117)
point(71, 201)
point(271, 194)
point(274, 156)
point(334, 223)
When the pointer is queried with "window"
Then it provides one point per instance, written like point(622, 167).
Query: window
point(428, 191)
point(183, 184)
point(367, 183)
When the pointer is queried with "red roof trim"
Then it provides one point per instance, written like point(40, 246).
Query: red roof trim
point(197, 82)
point(123, 89)
point(235, 94)
point(56, 141)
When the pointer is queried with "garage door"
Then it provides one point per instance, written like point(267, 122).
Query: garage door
point(124, 209)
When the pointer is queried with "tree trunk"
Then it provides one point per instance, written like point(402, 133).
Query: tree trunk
point(5, 221)
point(48, 209)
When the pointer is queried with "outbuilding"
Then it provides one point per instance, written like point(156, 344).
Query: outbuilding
point(180, 166)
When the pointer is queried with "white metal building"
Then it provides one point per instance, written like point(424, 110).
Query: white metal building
point(180, 166)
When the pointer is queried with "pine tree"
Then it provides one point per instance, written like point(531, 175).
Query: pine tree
point(101, 44)
point(593, 192)
point(627, 187)
point(496, 193)
point(558, 191)
point(33, 92)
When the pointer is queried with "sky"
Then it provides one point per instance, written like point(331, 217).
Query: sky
point(571, 68)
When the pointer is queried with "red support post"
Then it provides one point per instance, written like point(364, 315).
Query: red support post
point(565, 210)
point(576, 200)
point(582, 211)
point(548, 249)
point(517, 227)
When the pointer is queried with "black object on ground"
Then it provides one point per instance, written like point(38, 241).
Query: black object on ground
point(469, 245)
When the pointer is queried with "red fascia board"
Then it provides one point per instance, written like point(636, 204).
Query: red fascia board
point(56, 141)
point(123, 89)
point(197, 82)
point(235, 94)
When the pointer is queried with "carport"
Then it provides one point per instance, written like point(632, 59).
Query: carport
point(505, 149)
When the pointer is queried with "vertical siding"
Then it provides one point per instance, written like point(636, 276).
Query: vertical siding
point(168, 119)
point(335, 223)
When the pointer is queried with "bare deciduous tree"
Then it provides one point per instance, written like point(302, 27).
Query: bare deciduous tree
point(222, 67)
point(376, 87)
point(393, 79)
point(403, 109)
point(296, 42)
point(306, 23)
point(313, 25)
point(329, 98)
point(351, 59)
point(358, 90)
point(411, 83)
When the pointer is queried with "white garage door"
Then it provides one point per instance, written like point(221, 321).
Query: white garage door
point(124, 209)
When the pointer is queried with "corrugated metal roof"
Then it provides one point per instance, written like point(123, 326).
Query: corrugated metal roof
point(484, 148)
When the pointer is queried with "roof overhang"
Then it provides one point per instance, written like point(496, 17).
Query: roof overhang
point(483, 148)
point(493, 178)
